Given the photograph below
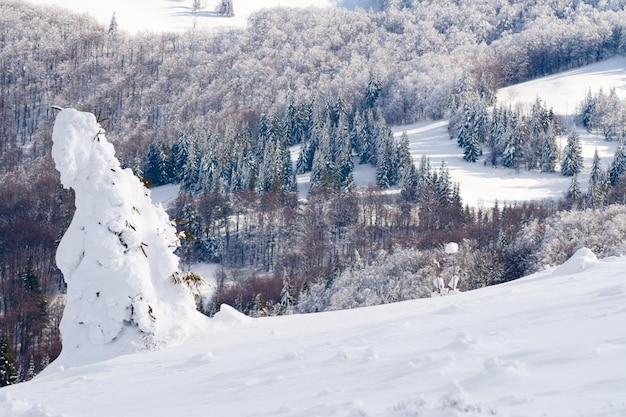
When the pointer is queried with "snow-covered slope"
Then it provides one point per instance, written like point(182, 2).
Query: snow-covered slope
point(177, 15)
point(550, 344)
point(481, 184)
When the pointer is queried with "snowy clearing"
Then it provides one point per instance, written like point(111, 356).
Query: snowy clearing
point(482, 185)
point(549, 344)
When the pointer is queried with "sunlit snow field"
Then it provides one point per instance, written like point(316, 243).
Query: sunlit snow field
point(552, 344)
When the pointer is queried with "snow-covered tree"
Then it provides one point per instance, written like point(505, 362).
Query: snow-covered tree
point(113, 25)
point(618, 165)
point(8, 373)
point(572, 155)
point(597, 182)
point(123, 282)
point(225, 8)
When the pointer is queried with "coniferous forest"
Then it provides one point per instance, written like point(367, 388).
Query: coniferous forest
point(224, 114)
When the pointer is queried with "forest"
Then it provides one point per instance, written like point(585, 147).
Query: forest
point(221, 111)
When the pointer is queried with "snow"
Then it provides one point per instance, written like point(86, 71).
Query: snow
point(177, 15)
point(483, 185)
point(165, 194)
point(549, 344)
point(117, 254)
point(565, 90)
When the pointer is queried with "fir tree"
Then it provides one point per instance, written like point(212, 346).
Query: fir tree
point(596, 192)
point(618, 166)
point(287, 299)
point(574, 192)
point(572, 155)
point(113, 26)
point(548, 155)
point(8, 373)
point(157, 165)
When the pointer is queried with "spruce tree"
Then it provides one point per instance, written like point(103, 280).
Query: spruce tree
point(595, 192)
point(574, 192)
point(8, 373)
point(572, 156)
point(548, 154)
point(618, 166)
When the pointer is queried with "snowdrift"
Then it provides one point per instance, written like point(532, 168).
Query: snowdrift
point(549, 344)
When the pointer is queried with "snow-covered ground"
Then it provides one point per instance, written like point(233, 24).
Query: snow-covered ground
point(177, 15)
point(565, 90)
point(552, 344)
point(482, 184)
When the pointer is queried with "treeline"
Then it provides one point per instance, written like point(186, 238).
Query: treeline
point(151, 86)
point(34, 212)
point(327, 137)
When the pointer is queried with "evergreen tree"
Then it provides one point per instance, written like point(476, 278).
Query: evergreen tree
point(548, 155)
point(32, 371)
point(572, 155)
point(588, 111)
point(287, 298)
point(471, 150)
point(596, 191)
point(113, 26)
point(618, 166)
point(157, 165)
point(512, 139)
point(574, 192)
point(226, 8)
point(8, 373)
point(374, 88)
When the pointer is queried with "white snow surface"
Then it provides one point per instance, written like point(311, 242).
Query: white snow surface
point(177, 15)
point(117, 254)
point(483, 185)
point(551, 344)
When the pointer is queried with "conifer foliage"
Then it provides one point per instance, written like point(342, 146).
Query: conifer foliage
point(8, 373)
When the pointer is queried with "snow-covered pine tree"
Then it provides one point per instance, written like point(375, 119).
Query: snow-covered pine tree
point(8, 373)
point(572, 155)
point(574, 192)
point(618, 165)
point(113, 25)
point(287, 299)
point(124, 287)
point(226, 8)
point(548, 156)
point(157, 165)
point(596, 189)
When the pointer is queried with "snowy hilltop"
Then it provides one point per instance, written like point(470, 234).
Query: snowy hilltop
point(124, 288)
point(551, 344)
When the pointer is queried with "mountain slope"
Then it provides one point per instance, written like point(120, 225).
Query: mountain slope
point(549, 344)
point(178, 15)
point(482, 184)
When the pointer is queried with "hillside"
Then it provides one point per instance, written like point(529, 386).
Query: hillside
point(178, 15)
point(549, 344)
point(482, 184)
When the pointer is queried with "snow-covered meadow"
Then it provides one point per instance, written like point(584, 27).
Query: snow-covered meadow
point(550, 344)
point(482, 184)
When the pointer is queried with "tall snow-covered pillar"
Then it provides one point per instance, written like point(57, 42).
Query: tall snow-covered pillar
point(117, 256)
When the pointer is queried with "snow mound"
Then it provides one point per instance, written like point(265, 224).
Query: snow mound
point(579, 262)
point(117, 255)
